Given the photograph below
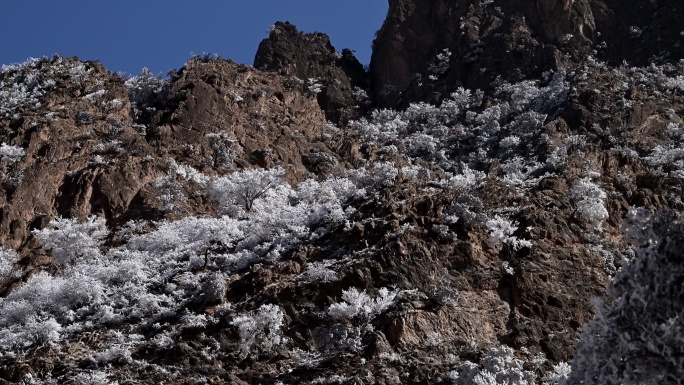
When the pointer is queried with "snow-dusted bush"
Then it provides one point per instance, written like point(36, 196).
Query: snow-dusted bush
point(561, 372)
point(464, 181)
point(188, 236)
point(69, 240)
point(636, 336)
point(519, 171)
point(35, 313)
point(170, 192)
point(498, 367)
point(527, 95)
point(440, 65)
point(590, 200)
point(320, 272)
point(501, 231)
point(10, 154)
point(24, 85)
point(360, 304)
point(670, 156)
point(239, 190)
point(146, 92)
point(222, 144)
point(314, 85)
point(92, 378)
point(262, 328)
point(7, 260)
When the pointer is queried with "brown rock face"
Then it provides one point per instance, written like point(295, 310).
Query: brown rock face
point(82, 155)
point(311, 58)
point(265, 119)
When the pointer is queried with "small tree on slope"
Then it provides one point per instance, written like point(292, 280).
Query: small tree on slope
point(638, 336)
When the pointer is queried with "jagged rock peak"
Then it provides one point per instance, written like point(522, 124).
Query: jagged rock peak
point(312, 58)
point(294, 53)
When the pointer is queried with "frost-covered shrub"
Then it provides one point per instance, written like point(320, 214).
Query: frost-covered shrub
point(37, 312)
point(498, 367)
point(190, 235)
point(464, 181)
point(501, 231)
point(224, 154)
point(527, 95)
point(440, 65)
point(170, 192)
point(24, 85)
point(360, 304)
point(518, 171)
point(590, 200)
point(147, 92)
point(92, 378)
point(561, 372)
point(70, 240)
point(10, 154)
point(262, 328)
point(314, 85)
point(636, 336)
point(186, 172)
point(115, 354)
point(239, 190)
point(508, 132)
point(384, 173)
point(7, 260)
point(111, 147)
point(95, 95)
point(670, 156)
point(320, 272)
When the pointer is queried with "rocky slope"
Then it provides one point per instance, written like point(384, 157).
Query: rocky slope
point(265, 225)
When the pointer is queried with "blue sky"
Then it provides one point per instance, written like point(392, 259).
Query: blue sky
point(127, 35)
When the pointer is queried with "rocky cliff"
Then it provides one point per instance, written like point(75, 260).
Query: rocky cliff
point(511, 41)
point(274, 225)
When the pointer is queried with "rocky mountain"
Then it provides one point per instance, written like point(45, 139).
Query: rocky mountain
point(452, 216)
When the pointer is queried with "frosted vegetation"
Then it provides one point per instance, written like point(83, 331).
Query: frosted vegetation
point(162, 267)
point(636, 337)
point(150, 276)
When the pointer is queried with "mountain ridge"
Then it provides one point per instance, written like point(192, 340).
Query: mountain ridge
point(446, 217)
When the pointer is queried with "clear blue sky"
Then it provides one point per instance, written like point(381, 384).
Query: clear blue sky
point(127, 35)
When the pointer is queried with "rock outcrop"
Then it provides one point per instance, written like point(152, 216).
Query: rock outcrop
point(219, 111)
point(311, 58)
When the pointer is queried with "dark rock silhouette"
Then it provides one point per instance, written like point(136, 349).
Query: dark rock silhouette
point(512, 41)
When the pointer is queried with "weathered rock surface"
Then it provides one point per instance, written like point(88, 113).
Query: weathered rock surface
point(220, 109)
